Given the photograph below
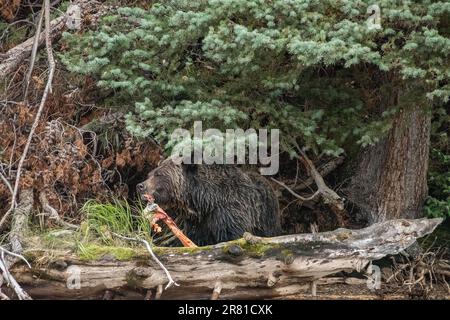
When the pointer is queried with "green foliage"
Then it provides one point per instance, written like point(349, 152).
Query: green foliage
point(438, 202)
point(313, 69)
point(103, 219)
point(118, 216)
point(10, 35)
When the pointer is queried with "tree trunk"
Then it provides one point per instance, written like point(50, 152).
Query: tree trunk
point(252, 267)
point(391, 177)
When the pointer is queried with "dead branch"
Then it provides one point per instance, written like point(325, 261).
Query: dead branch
point(33, 54)
point(6, 182)
point(15, 56)
point(324, 170)
point(18, 54)
point(243, 266)
point(154, 257)
point(11, 281)
point(330, 197)
point(217, 290)
point(310, 198)
point(18, 229)
point(423, 270)
point(53, 214)
point(48, 88)
point(18, 256)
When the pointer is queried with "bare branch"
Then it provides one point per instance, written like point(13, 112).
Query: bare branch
point(329, 196)
point(310, 198)
point(39, 112)
point(324, 170)
point(16, 255)
point(21, 294)
point(149, 249)
point(33, 54)
point(53, 214)
point(8, 185)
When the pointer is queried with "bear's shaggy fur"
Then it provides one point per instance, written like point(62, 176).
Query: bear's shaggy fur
point(216, 203)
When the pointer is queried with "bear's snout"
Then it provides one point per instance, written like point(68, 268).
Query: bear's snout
point(143, 191)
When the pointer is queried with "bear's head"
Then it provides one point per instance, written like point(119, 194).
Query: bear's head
point(166, 184)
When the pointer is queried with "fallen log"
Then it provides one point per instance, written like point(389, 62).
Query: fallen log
point(251, 267)
point(16, 55)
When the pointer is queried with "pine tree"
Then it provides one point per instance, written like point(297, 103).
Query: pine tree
point(314, 69)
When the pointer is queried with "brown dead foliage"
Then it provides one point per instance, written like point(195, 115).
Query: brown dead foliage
point(9, 9)
point(78, 151)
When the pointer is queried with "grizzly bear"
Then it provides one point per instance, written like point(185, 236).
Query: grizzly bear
point(215, 203)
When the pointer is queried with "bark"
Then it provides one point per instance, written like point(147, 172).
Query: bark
point(391, 178)
point(14, 57)
point(251, 267)
point(19, 226)
point(16, 236)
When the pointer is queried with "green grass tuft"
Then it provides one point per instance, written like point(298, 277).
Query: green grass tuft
point(103, 219)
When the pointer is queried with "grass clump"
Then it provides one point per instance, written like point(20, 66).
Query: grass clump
point(104, 219)
point(95, 237)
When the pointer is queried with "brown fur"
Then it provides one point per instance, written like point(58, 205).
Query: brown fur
point(215, 202)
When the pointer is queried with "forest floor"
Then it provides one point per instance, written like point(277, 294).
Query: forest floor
point(387, 292)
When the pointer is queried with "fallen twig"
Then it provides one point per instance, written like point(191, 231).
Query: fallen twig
point(149, 249)
point(15, 255)
point(21, 294)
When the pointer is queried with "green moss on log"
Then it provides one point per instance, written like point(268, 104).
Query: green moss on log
point(255, 250)
point(91, 252)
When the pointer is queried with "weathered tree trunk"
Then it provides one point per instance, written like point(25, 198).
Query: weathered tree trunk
point(391, 177)
point(252, 267)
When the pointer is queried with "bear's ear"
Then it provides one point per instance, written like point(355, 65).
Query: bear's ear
point(190, 168)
